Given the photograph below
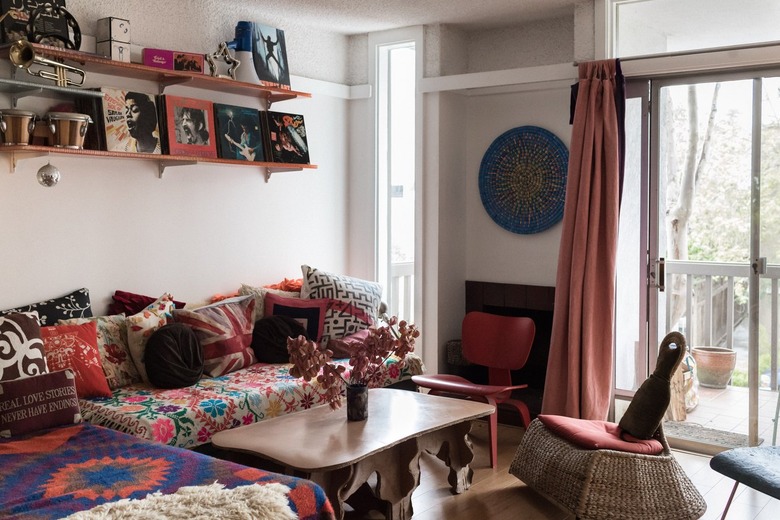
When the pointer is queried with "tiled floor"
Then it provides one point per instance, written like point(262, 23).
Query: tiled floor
point(727, 409)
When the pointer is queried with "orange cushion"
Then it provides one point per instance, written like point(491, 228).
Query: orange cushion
point(598, 435)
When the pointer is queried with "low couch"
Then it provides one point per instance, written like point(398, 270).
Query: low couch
point(227, 378)
point(189, 416)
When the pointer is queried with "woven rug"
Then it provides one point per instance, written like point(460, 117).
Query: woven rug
point(695, 437)
point(255, 501)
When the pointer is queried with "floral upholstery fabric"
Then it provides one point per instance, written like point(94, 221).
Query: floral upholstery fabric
point(114, 352)
point(188, 417)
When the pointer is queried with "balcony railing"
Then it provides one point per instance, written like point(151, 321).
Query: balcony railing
point(402, 290)
point(714, 303)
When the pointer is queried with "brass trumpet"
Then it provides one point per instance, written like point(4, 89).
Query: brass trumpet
point(22, 54)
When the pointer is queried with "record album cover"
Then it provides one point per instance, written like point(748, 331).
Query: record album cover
point(286, 137)
point(14, 25)
point(189, 126)
point(269, 51)
point(129, 121)
point(238, 133)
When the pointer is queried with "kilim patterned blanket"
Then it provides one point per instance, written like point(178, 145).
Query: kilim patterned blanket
point(188, 417)
point(56, 472)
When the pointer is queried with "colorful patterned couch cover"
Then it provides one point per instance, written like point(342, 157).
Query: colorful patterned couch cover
point(63, 470)
point(188, 417)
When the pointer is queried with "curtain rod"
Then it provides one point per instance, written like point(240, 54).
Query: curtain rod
point(698, 52)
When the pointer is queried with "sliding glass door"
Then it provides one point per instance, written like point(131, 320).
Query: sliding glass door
point(699, 235)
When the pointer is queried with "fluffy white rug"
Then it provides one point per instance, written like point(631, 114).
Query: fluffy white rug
point(255, 502)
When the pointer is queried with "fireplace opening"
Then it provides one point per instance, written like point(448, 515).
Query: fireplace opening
point(535, 302)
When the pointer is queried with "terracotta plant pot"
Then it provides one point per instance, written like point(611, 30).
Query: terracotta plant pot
point(714, 365)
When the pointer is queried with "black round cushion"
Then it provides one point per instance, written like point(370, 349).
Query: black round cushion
point(173, 357)
point(269, 338)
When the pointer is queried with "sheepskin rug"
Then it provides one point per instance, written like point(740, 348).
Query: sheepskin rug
point(252, 502)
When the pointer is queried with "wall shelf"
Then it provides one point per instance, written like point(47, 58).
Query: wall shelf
point(100, 65)
point(92, 63)
point(22, 152)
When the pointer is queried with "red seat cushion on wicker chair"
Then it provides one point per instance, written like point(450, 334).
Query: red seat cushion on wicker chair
point(598, 435)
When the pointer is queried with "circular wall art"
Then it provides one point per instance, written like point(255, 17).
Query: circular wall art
point(522, 179)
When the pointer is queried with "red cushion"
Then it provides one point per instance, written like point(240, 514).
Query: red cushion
point(75, 347)
point(598, 435)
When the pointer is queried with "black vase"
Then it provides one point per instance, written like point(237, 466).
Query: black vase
point(357, 402)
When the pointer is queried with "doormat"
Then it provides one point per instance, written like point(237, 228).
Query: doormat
point(700, 439)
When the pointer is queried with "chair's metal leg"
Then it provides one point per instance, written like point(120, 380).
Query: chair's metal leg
point(731, 497)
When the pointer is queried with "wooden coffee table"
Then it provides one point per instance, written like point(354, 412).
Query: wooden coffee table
point(340, 455)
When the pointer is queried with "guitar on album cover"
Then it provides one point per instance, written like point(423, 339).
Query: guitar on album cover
point(245, 150)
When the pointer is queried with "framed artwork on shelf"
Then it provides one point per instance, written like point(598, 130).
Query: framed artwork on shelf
point(189, 126)
point(129, 121)
point(269, 52)
point(286, 137)
point(238, 133)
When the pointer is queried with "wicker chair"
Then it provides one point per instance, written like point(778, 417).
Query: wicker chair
point(606, 484)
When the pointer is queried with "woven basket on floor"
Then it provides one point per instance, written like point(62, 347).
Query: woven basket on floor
point(606, 484)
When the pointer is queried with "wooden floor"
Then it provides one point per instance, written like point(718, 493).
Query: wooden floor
point(497, 495)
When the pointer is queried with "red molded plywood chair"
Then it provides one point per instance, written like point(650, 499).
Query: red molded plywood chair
point(500, 343)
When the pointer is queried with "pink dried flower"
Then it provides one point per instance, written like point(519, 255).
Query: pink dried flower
point(367, 360)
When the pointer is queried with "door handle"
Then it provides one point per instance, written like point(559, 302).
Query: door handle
point(658, 274)
point(759, 266)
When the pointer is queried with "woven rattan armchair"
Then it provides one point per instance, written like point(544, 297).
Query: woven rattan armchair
point(606, 484)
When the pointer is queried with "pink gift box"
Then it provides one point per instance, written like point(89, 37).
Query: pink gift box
point(160, 58)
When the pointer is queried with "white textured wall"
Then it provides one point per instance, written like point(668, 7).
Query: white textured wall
point(203, 229)
point(200, 25)
point(493, 253)
point(542, 42)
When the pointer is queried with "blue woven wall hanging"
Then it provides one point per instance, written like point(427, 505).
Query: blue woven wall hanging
point(522, 179)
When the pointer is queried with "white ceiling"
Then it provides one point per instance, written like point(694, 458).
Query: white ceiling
point(363, 16)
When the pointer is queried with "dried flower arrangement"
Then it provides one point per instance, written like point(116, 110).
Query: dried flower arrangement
point(366, 362)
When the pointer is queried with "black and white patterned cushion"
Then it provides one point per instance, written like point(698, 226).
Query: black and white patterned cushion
point(354, 305)
point(73, 305)
point(21, 347)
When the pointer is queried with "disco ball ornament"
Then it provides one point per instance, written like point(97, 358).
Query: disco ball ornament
point(48, 175)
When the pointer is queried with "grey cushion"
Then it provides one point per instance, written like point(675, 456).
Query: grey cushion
point(757, 467)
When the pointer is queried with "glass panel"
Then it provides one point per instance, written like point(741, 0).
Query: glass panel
point(402, 175)
point(396, 176)
point(768, 371)
point(705, 147)
point(643, 28)
point(630, 363)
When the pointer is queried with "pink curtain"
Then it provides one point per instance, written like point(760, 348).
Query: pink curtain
point(579, 370)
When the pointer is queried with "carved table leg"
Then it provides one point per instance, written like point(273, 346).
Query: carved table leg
point(398, 475)
point(453, 447)
point(332, 482)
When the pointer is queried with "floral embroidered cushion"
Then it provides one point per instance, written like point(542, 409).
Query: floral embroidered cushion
point(142, 325)
point(75, 347)
point(114, 351)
